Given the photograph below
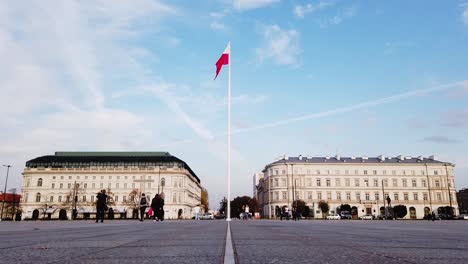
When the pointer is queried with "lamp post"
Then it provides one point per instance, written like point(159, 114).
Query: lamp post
point(4, 192)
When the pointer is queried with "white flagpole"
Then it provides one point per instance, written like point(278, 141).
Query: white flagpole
point(229, 135)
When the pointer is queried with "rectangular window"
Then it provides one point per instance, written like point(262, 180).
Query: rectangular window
point(318, 172)
point(404, 172)
point(309, 182)
point(385, 183)
point(423, 183)
point(365, 172)
point(328, 182)
point(347, 182)
point(376, 183)
point(61, 185)
point(109, 185)
point(376, 196)
point(86, 177)
point(346, 172)
point(413, 172)
point(53, 178)
point(329, 196)
point(356, 182)
point(358, 196)
point(405, 196)
point(284, 196)
point(92, 198)
point(366, 182)
point(125, 185)
point(439, 197)
point(51, 199)
point(395, 197)
point(276, 172)
point(84, 198)
point(93, 185)
point(319, 183)
point(116, 199)
point(338, 182)
point(415, 196)
point(337, 172)
point(425, 196)
point(276, 182)
point(356, 172)
point(367, 196)
point(94, 177)
point(69, 185)
point(384, 172)
point(60, 199)
point(375, 172)
point(395, 182)
point(338, 196)
point(53, 185)
point(437, 183)
point(283, 172)
point(124, 199)
point(405, 183)
point(348, 196)
point(283, 182)
point(413, 183)
point(133, 185)
point(422, 172)
point(85, 185)
point(101, 185)
point(319, 196)
point(393, 172)
point(436, 172)
point(309, 195)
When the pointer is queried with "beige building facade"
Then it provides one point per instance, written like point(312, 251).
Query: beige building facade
point(421, 184)
point(55, 186)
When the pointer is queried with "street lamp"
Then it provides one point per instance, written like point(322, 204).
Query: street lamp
point(4, 192)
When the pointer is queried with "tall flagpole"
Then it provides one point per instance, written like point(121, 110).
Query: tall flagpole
point(229, 135)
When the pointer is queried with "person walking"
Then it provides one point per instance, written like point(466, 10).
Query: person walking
point(197, 212)
point(246, 212)
point(155, 204)
point(143, 206)
point(161, 207)
point(101, 205)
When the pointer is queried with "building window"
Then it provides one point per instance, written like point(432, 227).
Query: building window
point(92, 199)
point(358, 196)
point(346, 172)
point(437, 183)
point(101, 185)
point(425, 196)
point(338, 182)
point(51, 199)
point(276, 172)
point(423, 183)
point(348, 196)
point(393, 172)
point(404, 172)
point(319, 183)
point(405, 196)
point(395, 182)
point(309, 195)
point(356, 172)
point(384, 172)
point(413, 172)
point(436, 172)
point(413, 183)
point(422, 172)
point(109, 185)
point(69, 177)
point(85, 185)
point(284, 195)
point(376, 196)
point(276, 182)
point(439, 197)
point(94, 185)
point(69, 185)
point(329, 196)
point(39, 182)
point(116, 198)
point(318, 172)
point(347, 182)
point(26, 197)
point(60, 199)
point(283, 172)
point(38, 197)
point(84, 198)
point(338, 196)
point(124, 199)
point(94, 177)
point(309, 182)
point(116, 185)
point(376, 183)
point(366, 182)
point(367, 196)
point(283, 182)
point(319, 196)
point(276, 195)
point(365, 172)
point(356, 182)
point(328, 182)
point(415, 196)
point(375, 172)
point(395, 197)
point(405, 183)
point(61, 186)
point(337, 172)
point(78, 177)
point(385, 183)
point(53, 185)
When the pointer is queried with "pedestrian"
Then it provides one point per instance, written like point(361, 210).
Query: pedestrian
point(246, 215)
point(101, 205)
point(161, 207)
point(197, 212)
point(433, 217)
point(143, 206)
point(286, 212)
point(155, 204)
point(282, 213)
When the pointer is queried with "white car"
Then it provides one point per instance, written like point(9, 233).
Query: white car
point(463, 217)
point(333, 217)
point(207, 216)
point(366, 217)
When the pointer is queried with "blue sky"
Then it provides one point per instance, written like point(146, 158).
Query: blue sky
point(308, 77)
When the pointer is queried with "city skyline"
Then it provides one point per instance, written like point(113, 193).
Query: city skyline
point(308, 78)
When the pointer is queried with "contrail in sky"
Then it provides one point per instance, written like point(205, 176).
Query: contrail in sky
point(384, 100)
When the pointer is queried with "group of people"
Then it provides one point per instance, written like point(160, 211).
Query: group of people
point(286, 213)
point(156, 207)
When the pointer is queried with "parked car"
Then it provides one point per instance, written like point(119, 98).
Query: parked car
point(207, 216)
point(463, 217)
point(366, 217)
point(220, 216)
point(346, 216)
point(333, 217)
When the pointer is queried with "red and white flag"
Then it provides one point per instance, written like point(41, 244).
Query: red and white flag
point(223, 60)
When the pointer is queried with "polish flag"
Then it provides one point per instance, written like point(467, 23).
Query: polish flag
point(223, 60)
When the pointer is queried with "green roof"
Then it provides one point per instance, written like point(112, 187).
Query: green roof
point(111, 153)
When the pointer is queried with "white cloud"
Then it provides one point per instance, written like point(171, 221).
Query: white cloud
point(340, 17)
point(302, 10)
point(281, 46)
point(251, 4)
point(217, 26)
point(465, 15)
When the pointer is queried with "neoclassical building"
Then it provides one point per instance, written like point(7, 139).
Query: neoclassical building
point(421, 184)
point(56, 185)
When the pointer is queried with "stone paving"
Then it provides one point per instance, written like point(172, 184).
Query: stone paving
point(261, 241)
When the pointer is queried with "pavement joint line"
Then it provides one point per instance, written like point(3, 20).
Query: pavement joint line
point(229, 257)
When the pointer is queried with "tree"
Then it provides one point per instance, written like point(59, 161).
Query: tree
point(399, 211)
point(133, 201)
point(323, 207)
point(239, 202)
point(299, 205)
point(344, 208)
point(72, 200)
point(447, 211)
point(223, 206)
point(204, 199)
point(306, 211)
